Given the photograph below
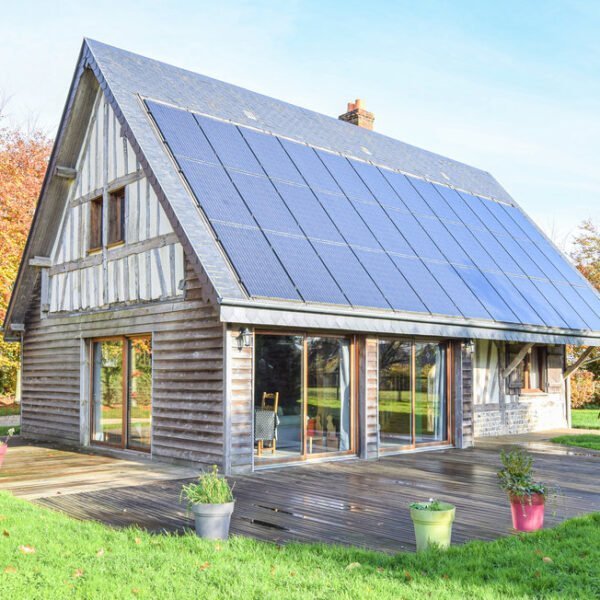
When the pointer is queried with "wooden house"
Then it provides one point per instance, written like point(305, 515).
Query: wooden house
point(217, 277)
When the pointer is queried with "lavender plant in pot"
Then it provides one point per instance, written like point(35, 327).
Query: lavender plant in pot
point(527, 497)
point(211, 501)
point(4, 444)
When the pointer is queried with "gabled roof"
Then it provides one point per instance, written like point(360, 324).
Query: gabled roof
point(296, 218)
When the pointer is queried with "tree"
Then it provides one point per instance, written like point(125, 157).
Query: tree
point(23, 161)
point(586, 256)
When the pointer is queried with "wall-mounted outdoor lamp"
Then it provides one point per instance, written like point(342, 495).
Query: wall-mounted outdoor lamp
point(470, 346)
point(244, 338)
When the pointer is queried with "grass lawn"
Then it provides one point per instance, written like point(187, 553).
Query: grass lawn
point(44, 554)
point(585, 418)
point(4, 430)
point(9, 409)
point(583, 440)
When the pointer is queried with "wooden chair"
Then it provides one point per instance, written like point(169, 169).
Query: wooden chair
point(266, 406)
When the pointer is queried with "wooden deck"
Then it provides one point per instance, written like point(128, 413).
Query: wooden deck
point(347, 502)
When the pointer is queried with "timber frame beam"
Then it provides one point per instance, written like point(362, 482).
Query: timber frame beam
point(516, 361)
point(578, 363)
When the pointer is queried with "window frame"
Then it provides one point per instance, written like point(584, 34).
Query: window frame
point(125, 362)
point(96, 224)
point(116, 225)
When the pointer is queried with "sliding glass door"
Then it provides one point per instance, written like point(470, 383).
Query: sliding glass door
point(413, 394)
point(303, 400)
point(121, 394)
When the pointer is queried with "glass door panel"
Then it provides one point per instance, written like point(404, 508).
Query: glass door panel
point(328, 395)
point(107, 395)
point(395, 393)
point(139, 422)
point(430, 393)
point(278, 407)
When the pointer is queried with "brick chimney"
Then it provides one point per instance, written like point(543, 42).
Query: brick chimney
point(357, 115)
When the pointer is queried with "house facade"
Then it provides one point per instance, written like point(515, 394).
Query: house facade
point(216, 277)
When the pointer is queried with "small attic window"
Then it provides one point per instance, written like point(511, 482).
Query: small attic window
point(116, 217)
point(95, 238)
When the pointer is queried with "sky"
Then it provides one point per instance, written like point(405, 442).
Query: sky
point(511, 87)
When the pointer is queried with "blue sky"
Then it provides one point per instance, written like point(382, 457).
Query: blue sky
point(511, 87)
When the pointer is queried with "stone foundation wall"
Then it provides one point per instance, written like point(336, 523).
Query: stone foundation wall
point(520, 414)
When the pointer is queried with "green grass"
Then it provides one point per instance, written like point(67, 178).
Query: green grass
point(585, 418)
point(44, 554)
point(4, 430)
point(583, 440)
point(11, 409)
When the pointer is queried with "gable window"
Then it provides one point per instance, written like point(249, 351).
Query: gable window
point(116, 217)
point(95, 240)
point(116, 220)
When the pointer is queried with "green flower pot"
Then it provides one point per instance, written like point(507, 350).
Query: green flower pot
point(433, 527)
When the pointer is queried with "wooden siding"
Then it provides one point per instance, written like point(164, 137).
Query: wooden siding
point(187, 373)
point(239, 400)
point(466, 400)
point(369, 371)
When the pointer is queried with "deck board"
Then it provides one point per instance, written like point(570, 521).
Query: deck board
point(352, 502)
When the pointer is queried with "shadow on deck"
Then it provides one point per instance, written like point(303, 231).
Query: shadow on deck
point(348, 502)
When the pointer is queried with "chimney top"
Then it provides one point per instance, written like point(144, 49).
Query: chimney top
point(357, 115)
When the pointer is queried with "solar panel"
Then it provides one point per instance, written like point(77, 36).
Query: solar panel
point(415, 235)
point(180, 130)
point(215, 192)
point(390, 281)
point(300, 223)
point(310, 167)
point(347, 220)
point(309, 213)
point(264, 203)
point(345, 176)
point(259, 269)
point(229, 145)
point(425, 285)
point(406, 191)
point(306, 269)
point(271, 155)
point(350, 275)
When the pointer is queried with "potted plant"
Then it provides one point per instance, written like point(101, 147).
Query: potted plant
point(4, 444)
point(527, 497)
point(433, 523)
point(211, 501)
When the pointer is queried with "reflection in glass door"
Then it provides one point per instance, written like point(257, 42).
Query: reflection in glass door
point(302, 397)
point(121, 407)
point(413, 393)
point(107, 395)
point(328, 395)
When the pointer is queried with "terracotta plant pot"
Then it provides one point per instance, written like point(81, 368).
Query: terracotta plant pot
point(433, 527)
point(527, 512)
point(3, 449)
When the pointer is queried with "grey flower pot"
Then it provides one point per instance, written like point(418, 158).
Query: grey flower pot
point(212, 520)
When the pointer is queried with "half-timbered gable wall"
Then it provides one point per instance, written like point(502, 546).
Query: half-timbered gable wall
point(148, 265)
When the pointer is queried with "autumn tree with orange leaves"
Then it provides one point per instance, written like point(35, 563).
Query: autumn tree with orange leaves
point(23, 161)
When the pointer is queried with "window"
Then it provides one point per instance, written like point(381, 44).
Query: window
point(413, 393)
point(116, 217)
point(532, 370)
point(122, 392)
point(303, 398)
point(116, 220)
point(95, 242)
point(530, 374)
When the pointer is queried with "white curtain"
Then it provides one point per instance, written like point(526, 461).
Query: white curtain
point(344, 389)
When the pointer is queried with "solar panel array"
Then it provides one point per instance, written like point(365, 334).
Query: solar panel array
point(304, 224)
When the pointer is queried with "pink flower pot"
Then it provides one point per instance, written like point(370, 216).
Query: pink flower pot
point(3, 449)
point(527, 512)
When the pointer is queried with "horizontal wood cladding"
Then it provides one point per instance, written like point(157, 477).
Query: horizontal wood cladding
point(187, 398)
